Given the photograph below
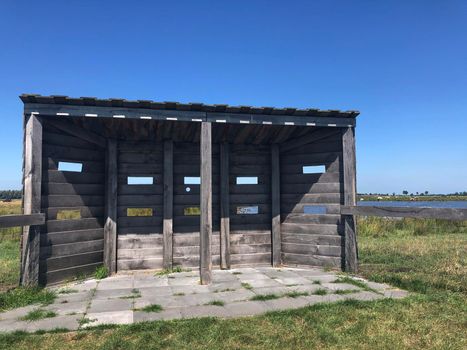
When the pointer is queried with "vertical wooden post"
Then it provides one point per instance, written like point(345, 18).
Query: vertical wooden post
point(225, 209)
point(110, 227)
point(32, 180)
point(168, 205)
point(275, 205)
point(205, 265)
point(350, 191)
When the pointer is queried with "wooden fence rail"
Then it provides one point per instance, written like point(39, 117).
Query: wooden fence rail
point(22, 220)
point(406, 212)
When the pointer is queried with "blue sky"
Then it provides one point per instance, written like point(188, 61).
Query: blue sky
point(403, 64)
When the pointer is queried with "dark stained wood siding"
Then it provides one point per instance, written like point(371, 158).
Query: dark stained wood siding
point(71, 247)
point(250, 235)
point(186, 227)
point(312, 239)
point(140, 242)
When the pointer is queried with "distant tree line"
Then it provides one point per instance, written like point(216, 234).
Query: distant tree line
point(10, 194)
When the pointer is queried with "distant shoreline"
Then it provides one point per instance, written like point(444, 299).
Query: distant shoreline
point(408, 198)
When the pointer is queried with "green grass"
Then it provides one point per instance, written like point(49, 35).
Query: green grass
point(19, 297)
point(216, 303)
point(247, 286)
point(67, 291)
point(236, 273)
point(135, 293)
point(151, 308)
point(316, 282)
point(175, 269)
point(296, 294)
point(264, 297)
point(38, 314)
point(101, 272)
point(178, 294)
point(346, 291)
point(320, 291)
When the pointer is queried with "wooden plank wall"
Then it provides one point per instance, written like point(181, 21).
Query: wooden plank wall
point(250, 235)
point(312, 239)
point(140, 241)
point(71, 247)
point(186, 227)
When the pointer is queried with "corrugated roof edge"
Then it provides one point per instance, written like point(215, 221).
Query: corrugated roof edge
point(217, 108)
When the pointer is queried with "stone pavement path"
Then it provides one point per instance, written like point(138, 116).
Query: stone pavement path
point(143, 296)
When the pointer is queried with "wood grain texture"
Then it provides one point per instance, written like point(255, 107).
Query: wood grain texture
point(350, 193)
point(224, 206)
point(32, 185)
point(168, 205)
point(206, 204)
point(78, 132)
point(275, 205)
point(111, 197)
point(22, 220)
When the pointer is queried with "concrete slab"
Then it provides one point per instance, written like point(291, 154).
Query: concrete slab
point(62, 322)
point(106, 305)
point(169, 314)
point(339, 286)
point(205, 311)
point(65, 309)
point(395, 293)
point(110, 317)
point(246, 308)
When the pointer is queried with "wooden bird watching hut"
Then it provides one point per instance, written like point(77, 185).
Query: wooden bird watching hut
point(153, 185)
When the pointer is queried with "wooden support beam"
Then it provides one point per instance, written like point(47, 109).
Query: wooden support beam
point(32, 177)
point(168, 205)
point(21, 220)
point(350, 193)
point(225, 209)
point(81, 133)
point(315, 136)
point(110, 227)
point(275, 205)
point(407, 212)
point(205, 232)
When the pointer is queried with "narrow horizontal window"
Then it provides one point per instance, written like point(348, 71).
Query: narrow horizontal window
point(314, 169)
point(140, 180)
point(247, 180)
point(314, 209)
point(192, 211)
point(69, 214)
point(253, 209)
point(192, 180)
point(70, 166)
point(139, 212)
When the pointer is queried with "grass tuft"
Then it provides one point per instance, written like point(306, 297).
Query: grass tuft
point(320, 291)
point(67, 291)
point(264, 297)
point(346, 291)
point(23, 296)
point(216, 303)
point(175, 269)
point(247, 286)
point(296, 294)
point(101, 273)
point(38, 314)
point(151, 308)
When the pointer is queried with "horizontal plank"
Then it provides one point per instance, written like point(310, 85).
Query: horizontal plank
point(140, 158)
point(22, 220)
point(73, 225)
point(193, 261)
point(71, 153)
point(146, 230)
point(301, 207)
point(315, 188)
point(72, 177)
point(320, 229)
point(410, 212)
point(295, 166)
point(57, 250)
point(299, 238)
point(311, 198)
point(85, 212)
point(139, 253)
point(57, 138)
point(72, 189)
point(311, 260)
point(310, 178)
point(140, 169)
point(124, 189)
point(72, 200)
point(58, 263)
point(311, 249)
point(139, 264)
point(256, 258)
point(301, 218)
point(140, 200)
point(71, 236)
point(139, 241)
point(130, 221)
point(52, 277)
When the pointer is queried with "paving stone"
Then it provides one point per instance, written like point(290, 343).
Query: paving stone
point(219, 286)
point(292, 280)
point(48, 324)
point(111, 317)
point(252, 277)
point(315, 299)
point(65, 309)
point(244, 270)
point(156, 291)
point(377, 286)
point(112, 293)
point(184, 281)
point(110, 283)
point(259, 283)
point(18, 313)
point(205, 311)
point(102, 305)
point(74, 297)
point(238, 295)
point(322, 279)
point(271, 290)
point(150, 281)
point(169, 314)
point(246, 308)
point(395, 293)
point(10, 325)
point(339, 286)
point(191, 289)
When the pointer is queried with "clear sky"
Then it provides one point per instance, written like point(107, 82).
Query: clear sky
point(403, 64)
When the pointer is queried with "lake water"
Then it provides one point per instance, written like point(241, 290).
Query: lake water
point(430, 204)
